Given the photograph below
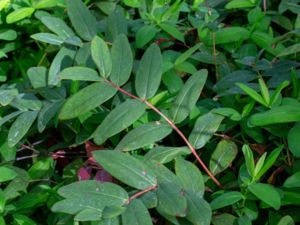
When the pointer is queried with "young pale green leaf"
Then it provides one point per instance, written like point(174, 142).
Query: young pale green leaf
point(249, 159)
point(171, 200)
point(46, 4)
point(228, 112)
point(144, 135)
point(122, 60)
point(188, 96)
point(149, 73)
point(275, 95)
point(236, 4)
point(22, 219)
point(293, 140)
point(292, 181)
point(166, 154)
point(190, 176)
point(184, 56)
point(231, 34)
point(266, 193)
point(6, 174)
point(79, 73)
point(145, 35)
point(286, 220)
point(199, 211)
point(118, 119)
point(48, 38)
point(269, 162)
point(101, 56)
point(49, 110)
point(264, 91)
point(20, 127)
point(276, 115)
point(19, 14)
point(126, 168)
point(89, 215)
point(204, 128)
point(226, 199)
point(8, 34)
point(173, 31)
point(252, 93)
point(82, 20)
point(86, 100)
point(259, 164)
point(223, 156)
point(136, 213)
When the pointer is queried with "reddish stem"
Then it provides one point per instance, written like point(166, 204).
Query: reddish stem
point(141, 193)
point(170, 122)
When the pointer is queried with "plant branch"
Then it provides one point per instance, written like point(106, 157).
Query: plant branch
point(171, 123)
point(141, 193)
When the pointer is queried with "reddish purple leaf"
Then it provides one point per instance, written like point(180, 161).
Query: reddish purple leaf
point(103, 176)
point(84, 173)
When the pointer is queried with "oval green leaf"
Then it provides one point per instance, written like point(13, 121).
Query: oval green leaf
point(136, 213)
point(79, 73)
point(293, 140)
point(226, 199)
point(164, 154)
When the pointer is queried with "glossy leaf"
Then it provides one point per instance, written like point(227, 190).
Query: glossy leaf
point(82, 20)
point(188, 96)
point(48, 38)
point(226, 199)
point(126, 168)
point(249, 159)
point(144, 135)
point(37, 76)
point(86, 100)
point(7, 96)
point(223, 156)
point(122, 60)
point(190, 176)
point(136, 213)
point(79, 73)
point(293, 140)
point(204, 128)
point(171, 200)
point(101, 56)
point(20, 127)
point(19, 14)
point(118, 119)
point(148, 76)
point(266, 193)
point(164, 154)
point(6, 174)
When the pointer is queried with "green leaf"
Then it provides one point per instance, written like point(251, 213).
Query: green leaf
point(292, 181)
point(236, 4)
point(276, 115)
point(228, 112)
point(37, 76)
point(89, 215)
point(204, 128)
point(266, 193)
point(101, 56)
point(8, 35)
point(116, 24)
point(48, 38)
point(7, 96)
point(145, 35)
point(79, 73)
point(286, 220)
point(23, 220)
point(293, 140)
point(46, 4)
point(265, 41)
point(185, 55)
point(6, 174)
point(226, 199)
point(276, 93)
point(166, 154)
point(2, 201)
point(252, 93)
point(122, 60)
point(223, 156)
point(149, 73)
point(136, 213)
point(82, 20)
point(86, 100)
point(171, 200)
point(199, 211)
point(259, 164)
point(9, 117)
point(249, 159)
point(126, 168)
point(264, 91)
point(118, 119)
point(188, 96)
point(19, 14)
point(190, 176)
point(20, 127)
point(231, 34)
point(144, 135)
point(89, 194)
point(173, 31)
point(294, 49)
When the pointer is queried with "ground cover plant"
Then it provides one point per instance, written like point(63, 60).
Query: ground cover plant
point(149, 112)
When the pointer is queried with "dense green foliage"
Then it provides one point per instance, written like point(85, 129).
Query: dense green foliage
point(141, 112)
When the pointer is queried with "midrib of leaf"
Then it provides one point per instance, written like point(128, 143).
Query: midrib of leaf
point(218, 161)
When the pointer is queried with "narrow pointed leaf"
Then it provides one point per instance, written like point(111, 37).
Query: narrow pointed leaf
point(149, 73)
point(101, 56)
point(48, 38)
point(122, 60)
point(249, 159)
point(79, 73)
point(164, 154)
point(136, 214)
point(204, 128)
point(226, 199)
point(126, 168)
point(144, 135)
point(252, 93)
point(119, 119)
point(7, 174)
point(82, 20)
point(20, 127)
point(86, 99)
point(184, 56)
point(188, 96)
point(222, 157)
